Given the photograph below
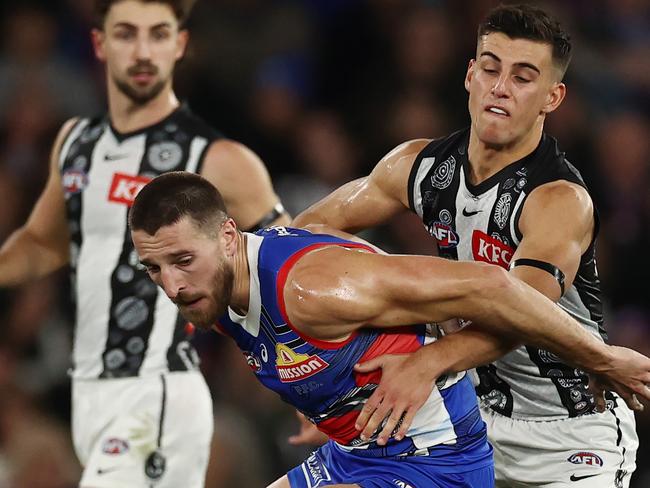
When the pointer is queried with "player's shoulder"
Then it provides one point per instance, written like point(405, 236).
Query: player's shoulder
point(552, 165)
point(455, 142)
point(192, 123)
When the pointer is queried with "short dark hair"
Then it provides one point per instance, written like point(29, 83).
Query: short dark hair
point(181, 9)
point(533, 23)
point(169, 197)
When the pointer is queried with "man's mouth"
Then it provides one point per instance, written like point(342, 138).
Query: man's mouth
point(497, 110)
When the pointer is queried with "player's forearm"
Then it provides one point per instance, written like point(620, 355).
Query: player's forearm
point(23, 258)
point(463, 350)
point(531, 318)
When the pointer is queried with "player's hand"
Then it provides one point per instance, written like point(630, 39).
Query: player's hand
point(627, 373)
point(308, 434)
point(404, 387)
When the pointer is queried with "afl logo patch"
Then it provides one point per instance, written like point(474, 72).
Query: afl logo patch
point(115, 446)
point(163, 156)
point(585, 457)
point(253, 362)
point(74, 181)
point(444, 173)
point(502, 210)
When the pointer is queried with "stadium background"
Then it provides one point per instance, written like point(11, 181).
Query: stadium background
point(321, 89)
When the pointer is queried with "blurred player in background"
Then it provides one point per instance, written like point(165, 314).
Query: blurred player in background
point(142, 412)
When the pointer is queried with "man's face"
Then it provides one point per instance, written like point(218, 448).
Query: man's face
point(512, 85)
point(191, 267)
point(140, 44)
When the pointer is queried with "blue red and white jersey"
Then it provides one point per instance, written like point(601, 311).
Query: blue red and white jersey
point(316, 376)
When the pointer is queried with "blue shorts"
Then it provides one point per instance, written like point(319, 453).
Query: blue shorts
point(469, 466)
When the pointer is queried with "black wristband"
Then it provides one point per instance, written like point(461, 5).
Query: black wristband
point(543, 265)
point(275, 212)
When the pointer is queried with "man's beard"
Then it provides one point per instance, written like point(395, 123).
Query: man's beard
point(222, 286)
point(140, 96)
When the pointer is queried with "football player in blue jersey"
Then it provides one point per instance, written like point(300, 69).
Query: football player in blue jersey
point(306, 307)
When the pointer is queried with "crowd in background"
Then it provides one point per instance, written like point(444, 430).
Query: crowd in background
point(320, 89)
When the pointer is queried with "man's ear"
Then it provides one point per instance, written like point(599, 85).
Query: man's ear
point(554, 98)
point(469, 74)
point(228, 236)
point(98, 36)
point(181, 43)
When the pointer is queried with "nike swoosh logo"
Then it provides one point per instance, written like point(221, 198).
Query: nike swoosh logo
point(101, 471)
point(114, 157)
point(578, 478)
point(469, 214)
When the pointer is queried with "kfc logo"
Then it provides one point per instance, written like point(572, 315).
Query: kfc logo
point(124, 188)
point(490, 250)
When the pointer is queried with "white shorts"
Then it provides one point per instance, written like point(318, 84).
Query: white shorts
point(592, 451)
point(143, 432)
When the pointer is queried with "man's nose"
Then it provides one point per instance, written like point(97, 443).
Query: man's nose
point(142, 48)
point(501, 87)
point(171, 283)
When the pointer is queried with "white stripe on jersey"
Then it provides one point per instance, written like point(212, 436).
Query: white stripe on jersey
point(423, 169)
point(251, 322)
point(513, 232)
point(72, 136)
point(482, 204)
point(196, 149)
point(103, 225)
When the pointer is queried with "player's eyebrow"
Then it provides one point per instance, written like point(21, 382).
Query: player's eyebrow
point(521, 64)
point(128, 25)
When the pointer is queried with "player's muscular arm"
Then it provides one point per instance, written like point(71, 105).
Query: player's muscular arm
point(244, 183)
point(371, 200)
point(557, 225)
point(42, 244)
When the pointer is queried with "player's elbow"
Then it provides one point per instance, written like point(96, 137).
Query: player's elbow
point(493, 284)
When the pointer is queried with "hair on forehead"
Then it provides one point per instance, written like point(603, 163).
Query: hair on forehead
point(531, 23)
point(181, 9)
point(170, 197)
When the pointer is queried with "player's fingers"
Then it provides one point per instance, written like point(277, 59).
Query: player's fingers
point(406, 423)
point(375, 421)
point(390, 425)
point(368, 409)
point(370, 365)
point(643, 391)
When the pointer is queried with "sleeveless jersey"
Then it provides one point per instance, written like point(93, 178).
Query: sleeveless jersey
point(124, 325)
point(317, 377)
point(480, 223)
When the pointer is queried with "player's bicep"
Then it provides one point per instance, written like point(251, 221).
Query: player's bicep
point(371, 200)
point(557, 227)
point(244, 182)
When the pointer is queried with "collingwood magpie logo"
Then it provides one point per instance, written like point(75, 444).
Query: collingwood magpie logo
point(154, 466)
point(502, 210)
point(444, 173)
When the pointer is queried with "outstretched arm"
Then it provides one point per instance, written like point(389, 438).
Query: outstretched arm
point(243, 180)
point(370, 200)
point(41, 246)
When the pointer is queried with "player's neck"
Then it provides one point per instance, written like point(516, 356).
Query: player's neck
point(127, 116)
point(486, 160)
point(241, 286)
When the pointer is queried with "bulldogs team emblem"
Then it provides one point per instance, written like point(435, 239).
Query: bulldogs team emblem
point(292, 366)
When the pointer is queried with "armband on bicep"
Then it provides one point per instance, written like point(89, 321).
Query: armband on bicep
point(544, 266)
point(275, 213)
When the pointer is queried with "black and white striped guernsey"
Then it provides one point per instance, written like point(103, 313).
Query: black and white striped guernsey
point(481, 223)
point(125, 326)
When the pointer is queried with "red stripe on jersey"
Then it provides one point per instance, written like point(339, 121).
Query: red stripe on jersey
point(390, 341)
point(341, 429)
point(282, 279)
